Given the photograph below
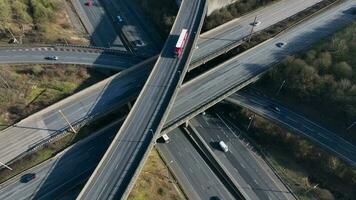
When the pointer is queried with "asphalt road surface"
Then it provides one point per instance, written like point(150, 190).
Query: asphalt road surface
point(218, 40)
point(62, 172)
point(214, 42)
point(255, 178)
point(116, 90)
point(133, 27)
point(98, 24)
point(66, 55)
point(297, 123)
point(193, 174)
point(122, 162)
point(321, 25)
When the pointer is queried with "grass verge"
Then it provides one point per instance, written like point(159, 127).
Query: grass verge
point(300, 163)
point(155, 181)
point(27, 89)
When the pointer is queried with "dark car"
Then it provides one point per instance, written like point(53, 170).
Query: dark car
point(51, 58)
point(138, 43)
point(27, 177)
point(280, 44)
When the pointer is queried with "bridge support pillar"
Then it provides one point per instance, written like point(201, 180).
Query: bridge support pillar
point(129, 105)
point(186, 124)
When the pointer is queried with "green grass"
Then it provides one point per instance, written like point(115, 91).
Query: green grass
point(37, 21)
point(27, 89)
point(155, 181)
point(298, 161)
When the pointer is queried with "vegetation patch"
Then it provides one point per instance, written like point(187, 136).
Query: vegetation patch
point(36, 21)
point(155, 181)
point(232, 11)
point(309, 171)
point(27, 89)
point(161, 12)
point(322, 79)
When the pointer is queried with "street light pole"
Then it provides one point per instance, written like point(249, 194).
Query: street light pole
point(280, 88)
point(5, 166)
point(312, 188)
point(253, 26)
point(65, 119)
point(348, 128)
point(251, 119)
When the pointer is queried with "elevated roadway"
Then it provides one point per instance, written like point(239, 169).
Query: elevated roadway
point(318, 27)
point(212, 43)
point(296, 123)
point(100, 98)
point(68, 55)
point(116, 172)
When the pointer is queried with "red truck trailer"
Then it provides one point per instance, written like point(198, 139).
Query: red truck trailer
point(180, 43)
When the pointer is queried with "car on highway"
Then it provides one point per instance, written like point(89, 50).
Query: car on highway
point(280, 44)
point(138, 43)
point(27, 177)
point(223, 146)
point(256, 23)
point(275, 108)
point(51, 58)
point(120, 19)
point(165, 138)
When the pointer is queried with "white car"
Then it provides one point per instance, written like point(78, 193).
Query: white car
point(120, 19)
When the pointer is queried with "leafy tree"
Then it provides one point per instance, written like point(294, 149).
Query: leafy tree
point(342, 70)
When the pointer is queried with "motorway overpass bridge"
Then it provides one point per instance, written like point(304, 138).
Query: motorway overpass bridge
point(80, 108)
point(210, 44)
point(120, 166)
point(250, 64)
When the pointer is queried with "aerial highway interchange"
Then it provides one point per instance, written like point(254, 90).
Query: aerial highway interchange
point(192, 98)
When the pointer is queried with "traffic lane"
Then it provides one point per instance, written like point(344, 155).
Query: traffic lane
point(98, 99)
point(309, 129)
point(237, 29)
point(66, 170)
point(131, 26)
point(110, 180)
point(191, 171)
point(102, 30)
point(241, 161)
point(243, 67)
point(235, 160)
point(31, 55)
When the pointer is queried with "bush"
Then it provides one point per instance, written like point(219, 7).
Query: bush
point(323, 77)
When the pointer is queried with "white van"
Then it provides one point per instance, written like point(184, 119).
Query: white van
point(165, 138)
point(223, 146)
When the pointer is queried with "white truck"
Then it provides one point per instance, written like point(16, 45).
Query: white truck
point(223, 146)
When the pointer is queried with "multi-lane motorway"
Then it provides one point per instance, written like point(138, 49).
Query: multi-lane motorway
point(68, 55)
point(212, 43)
point(219, 40)
point(99, 96)
point(98, 24)
point(103, 97)
point(193, 174)
point(121, 163)
point(254, 177)
point(297, 123)
point(61, 173)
